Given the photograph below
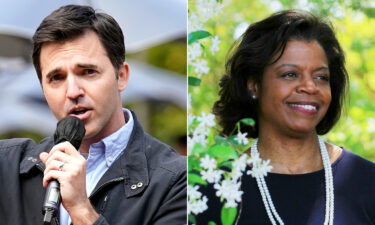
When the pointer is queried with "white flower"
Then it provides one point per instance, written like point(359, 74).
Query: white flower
point(199, 138)
point(240, 29)
point(211, 176)
point(207, 119)
point(260, 169)
point(200, 67)
point(194, 23)
point(207, 9)
point(195, 50)
point(229, 190)
point(193, 192)
point(255, 158)
point(240, 163)
point(197, 206)
point(241, 138)
point(215, 44)
point(196, 203)
point(208, 163)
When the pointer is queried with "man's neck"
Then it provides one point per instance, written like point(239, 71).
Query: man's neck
point(108, 130)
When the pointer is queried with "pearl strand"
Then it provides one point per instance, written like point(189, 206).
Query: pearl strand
point(266, 196)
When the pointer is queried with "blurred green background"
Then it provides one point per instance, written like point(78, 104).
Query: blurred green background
point(354, 23)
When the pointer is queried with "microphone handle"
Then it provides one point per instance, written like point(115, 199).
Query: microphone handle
point(52, 201)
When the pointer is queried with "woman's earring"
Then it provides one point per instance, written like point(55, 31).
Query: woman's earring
point(253, 96)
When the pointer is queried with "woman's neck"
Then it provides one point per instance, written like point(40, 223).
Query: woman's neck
point(290, 155)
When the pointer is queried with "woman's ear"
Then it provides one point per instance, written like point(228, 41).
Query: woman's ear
point(252, 86)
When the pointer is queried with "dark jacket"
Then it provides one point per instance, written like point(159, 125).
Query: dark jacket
point(145, 185)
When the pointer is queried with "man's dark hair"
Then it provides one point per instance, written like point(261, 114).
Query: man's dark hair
point(72, 21)
point(259, 46)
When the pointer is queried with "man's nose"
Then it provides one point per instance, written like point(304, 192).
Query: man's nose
point(74, 89)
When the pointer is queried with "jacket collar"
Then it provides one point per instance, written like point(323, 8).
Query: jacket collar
point(131, 166)
point(31, 159)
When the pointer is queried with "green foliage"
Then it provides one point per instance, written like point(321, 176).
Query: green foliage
point(228, 215)
point(352, 20)
point(193, 81)
point(197, 35)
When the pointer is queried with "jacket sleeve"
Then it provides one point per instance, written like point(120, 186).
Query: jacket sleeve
point(173, 209)
point(101, 221)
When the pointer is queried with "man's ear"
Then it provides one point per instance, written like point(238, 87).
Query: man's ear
point(123, 76)
point(252, 86)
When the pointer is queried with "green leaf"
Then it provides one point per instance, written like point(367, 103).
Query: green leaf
point(228, 215)
point(211, 223)
point(227, 164)
point(195, 179)
point(248, 121)
point(193, 81)
point(197, 149)
point(193, 163)
point(222, 152)
point(221, 140)
point(197, 35)
point(192, 219)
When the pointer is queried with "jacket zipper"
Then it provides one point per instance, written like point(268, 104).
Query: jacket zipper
point(106, 184)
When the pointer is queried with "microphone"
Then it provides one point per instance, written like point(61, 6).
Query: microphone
point(69, 129)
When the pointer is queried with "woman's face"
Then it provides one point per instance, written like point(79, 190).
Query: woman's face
point(295, 93)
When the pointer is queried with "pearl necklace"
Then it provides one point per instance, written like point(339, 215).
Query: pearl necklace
point(266, 197)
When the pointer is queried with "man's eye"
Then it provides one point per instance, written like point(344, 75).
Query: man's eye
point(56, 77)
point(89, 71)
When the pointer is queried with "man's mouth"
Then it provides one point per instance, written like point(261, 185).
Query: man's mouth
point(81, 113)
point(78, 112)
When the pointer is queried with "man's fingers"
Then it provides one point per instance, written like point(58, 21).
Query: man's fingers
point(43, 156)
point(55, 165)
point(69, 148)
point(59, 156)
point(52, 174)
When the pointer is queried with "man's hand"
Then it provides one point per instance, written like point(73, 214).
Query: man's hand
point(65, 164)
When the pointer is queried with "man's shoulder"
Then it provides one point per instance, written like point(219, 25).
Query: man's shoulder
point(164, 156)
point(16, 143)
point(19, 147)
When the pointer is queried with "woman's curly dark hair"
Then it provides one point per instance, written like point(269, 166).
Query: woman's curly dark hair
point(264, 41)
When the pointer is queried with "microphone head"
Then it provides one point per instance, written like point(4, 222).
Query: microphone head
point(70, 129)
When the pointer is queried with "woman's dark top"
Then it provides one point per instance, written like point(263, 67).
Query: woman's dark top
point(300, 199)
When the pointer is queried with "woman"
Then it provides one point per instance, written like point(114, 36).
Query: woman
point(288, 74)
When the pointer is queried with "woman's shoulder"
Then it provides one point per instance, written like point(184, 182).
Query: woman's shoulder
point(354, 161)
point(354, 170)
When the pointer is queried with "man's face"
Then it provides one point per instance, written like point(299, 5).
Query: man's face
point(78, 79)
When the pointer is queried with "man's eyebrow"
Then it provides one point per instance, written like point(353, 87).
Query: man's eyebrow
point(84, 65)
point(52, 72)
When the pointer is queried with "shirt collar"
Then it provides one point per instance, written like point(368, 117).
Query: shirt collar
point(113, 145)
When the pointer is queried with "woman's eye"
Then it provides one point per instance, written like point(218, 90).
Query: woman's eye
point(323, 77)
point(289, 75)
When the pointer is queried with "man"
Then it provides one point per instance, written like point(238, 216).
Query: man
point(120, 175)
